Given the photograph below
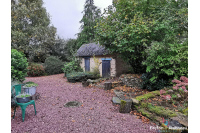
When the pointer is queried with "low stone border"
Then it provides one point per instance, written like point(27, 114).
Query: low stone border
point(180, 120)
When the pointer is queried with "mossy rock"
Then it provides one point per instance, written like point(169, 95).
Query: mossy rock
point(161, 111)
point(144, 105)
point(148, 95)
point(185, 111)
point(125, 106)
point(153, 117)
point(122, 106)
point(145, 112)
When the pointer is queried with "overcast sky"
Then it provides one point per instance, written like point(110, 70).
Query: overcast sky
point(66, 14)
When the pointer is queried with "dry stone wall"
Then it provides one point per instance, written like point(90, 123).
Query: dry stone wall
point(131, 80)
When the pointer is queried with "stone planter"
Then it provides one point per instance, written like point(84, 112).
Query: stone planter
point(30, 90)
point(23, 99)
point(125, 106)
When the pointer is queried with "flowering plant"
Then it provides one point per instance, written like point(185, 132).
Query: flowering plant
point(35, 70)
point(181, 84)
point(167, 97)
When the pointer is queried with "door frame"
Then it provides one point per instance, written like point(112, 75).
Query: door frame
point(88, 58)
point(106, 59)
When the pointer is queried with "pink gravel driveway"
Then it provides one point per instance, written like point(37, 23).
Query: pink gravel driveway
point(96, 114)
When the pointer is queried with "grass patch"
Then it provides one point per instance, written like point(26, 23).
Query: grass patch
point(148, 95)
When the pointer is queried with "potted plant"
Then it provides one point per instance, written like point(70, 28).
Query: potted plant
point(30, 88)
point(23, 98)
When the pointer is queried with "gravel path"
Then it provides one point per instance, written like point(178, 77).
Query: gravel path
point(95, 115)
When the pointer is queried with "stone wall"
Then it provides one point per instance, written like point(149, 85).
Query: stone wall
point(121, 66)
point(131, 80)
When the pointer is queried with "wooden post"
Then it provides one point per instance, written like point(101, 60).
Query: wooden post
point(107, 85)
point(85, 83)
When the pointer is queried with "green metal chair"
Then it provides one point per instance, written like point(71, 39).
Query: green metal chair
point(22, 105)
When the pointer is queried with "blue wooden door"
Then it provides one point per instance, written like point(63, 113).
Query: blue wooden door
point(105, 68)
point(87, 64)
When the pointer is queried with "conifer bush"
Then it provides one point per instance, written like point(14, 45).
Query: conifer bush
point(53, 65)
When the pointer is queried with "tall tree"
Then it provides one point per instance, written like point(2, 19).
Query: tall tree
point(64, 49)
point(90, 15)
point(31, 31)
point(131, 26)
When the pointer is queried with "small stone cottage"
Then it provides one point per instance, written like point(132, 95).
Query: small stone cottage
point(110, 65)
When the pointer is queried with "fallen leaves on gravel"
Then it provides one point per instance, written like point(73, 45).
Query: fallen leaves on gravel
point(140, 116)
point(56, 118)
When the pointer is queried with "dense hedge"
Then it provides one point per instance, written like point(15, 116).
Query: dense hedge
point(79, 76)
point(53, 65)
point(19, 65)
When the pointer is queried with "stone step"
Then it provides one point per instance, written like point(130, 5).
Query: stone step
point(177, 122)
point(182, 119)
point(119, 94)
point(135, 101)
point(116, 100)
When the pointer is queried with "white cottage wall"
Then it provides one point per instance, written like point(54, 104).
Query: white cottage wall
point(92, 65)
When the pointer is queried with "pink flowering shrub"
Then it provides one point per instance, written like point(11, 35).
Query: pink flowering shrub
point(167, 97)
point(184, 79)
point(162, 92)
point(181, 84)
point(35, 70)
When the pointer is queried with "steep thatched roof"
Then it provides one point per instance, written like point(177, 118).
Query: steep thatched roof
point(91, 49)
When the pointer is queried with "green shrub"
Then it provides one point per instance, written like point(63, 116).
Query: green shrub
point(95, 70)
point(35, 70)
point(167, 59)
point(160, 83)
point(79, 76)
point(19, 66)
point(72, 66)
point(53, 65)
point(39, 56)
